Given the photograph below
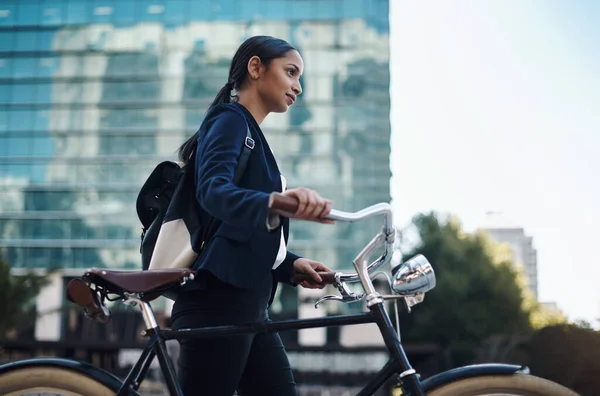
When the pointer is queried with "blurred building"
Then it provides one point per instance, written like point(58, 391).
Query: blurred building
point(93, 94)
point(521, 245)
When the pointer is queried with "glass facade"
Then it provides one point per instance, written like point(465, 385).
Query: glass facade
point(94, 93)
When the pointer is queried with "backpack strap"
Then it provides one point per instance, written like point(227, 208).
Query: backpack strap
point(247, 148)
point(243, 161)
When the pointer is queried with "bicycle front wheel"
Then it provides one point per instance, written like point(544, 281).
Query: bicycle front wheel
point(34, 381)
point(502, 385)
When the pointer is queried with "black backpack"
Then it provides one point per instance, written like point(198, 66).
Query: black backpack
point(172, 235)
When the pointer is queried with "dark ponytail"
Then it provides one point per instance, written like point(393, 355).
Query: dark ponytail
point(224, 95)
point(266, 48)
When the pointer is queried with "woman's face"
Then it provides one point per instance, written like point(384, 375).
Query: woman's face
point(279, 84)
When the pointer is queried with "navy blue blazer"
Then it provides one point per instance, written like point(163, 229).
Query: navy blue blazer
point(243, 250)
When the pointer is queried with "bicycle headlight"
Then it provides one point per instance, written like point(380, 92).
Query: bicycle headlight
point(413, 277)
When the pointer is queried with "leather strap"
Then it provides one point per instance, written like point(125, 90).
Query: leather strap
point(247, 148)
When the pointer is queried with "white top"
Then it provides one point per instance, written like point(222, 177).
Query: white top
point(282, 247)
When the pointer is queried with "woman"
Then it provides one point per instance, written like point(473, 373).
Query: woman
point(240, 266)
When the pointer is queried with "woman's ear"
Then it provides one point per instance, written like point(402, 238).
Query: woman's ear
point(254, 67)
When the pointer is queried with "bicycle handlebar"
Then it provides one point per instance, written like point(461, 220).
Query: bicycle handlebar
point(287, 206)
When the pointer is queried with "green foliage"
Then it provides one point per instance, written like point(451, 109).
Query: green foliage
point(477, 295)
point(17, 294)
point(539, 316)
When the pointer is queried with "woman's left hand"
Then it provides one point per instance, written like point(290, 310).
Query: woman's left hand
point(304, 266)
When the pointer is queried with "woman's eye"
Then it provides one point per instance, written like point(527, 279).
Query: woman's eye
point(292, 72)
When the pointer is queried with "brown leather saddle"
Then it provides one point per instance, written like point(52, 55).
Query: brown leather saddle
point(147, 284)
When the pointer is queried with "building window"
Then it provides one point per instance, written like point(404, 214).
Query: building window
point(8, 13)
point(7, 41)
point(28, 13)
point(77, 11)
point(25, 41)
point(53, 13)
point(176, 12)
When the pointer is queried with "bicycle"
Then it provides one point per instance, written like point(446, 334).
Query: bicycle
point(408, 284)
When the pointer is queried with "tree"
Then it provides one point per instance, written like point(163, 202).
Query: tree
point(477, 295)
point(17, 294)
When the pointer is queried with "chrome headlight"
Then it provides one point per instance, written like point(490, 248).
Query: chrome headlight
point(414, 277)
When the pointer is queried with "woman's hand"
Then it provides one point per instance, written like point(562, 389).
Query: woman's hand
point(311, 206)
point(304, 267)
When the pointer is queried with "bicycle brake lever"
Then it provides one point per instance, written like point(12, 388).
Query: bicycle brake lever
point(326, 298)
point(346, 298)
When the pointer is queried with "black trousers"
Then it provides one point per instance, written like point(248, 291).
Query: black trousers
point(252, 364)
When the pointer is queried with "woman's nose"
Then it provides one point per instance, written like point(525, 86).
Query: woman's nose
point(297, 88)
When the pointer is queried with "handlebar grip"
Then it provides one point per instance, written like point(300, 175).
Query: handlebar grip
point(328, 278)
point(282, 205)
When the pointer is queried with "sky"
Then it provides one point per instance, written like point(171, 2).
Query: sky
point(496, 107)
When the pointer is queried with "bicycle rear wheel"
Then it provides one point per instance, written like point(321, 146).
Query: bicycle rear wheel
point(500, 385)
point(53, 381)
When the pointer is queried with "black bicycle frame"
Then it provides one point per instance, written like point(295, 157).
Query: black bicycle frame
point(397, 364)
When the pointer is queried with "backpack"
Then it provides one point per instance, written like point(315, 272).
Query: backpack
point(172, 235)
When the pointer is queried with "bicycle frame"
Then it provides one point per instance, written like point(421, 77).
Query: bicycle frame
point(397, 364)
point(412, 279)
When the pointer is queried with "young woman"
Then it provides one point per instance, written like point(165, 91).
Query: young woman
point(239, 268)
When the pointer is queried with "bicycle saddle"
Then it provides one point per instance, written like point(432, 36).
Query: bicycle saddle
point(117, 281)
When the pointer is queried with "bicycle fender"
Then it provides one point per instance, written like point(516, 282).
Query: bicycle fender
point(475, 370)
point(104, 377)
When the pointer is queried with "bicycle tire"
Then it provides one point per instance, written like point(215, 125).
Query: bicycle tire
point(30, 380)
point(505, 385)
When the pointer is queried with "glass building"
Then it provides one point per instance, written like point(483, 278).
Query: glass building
point(94, 93)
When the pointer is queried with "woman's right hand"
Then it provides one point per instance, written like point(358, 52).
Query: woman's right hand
point(311, 206)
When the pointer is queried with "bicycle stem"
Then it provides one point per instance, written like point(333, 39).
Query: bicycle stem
point(386, 235)
point(360, 262)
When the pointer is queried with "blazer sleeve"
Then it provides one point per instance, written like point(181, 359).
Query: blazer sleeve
point(216, 159)
point(284, 272)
